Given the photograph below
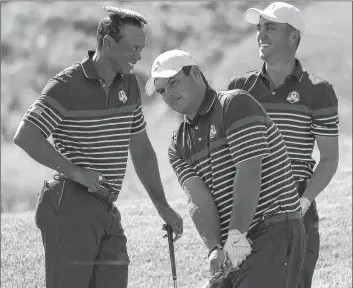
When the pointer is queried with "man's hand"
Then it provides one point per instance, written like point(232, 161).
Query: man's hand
point(88, 178)
point(174, 220)
point(219, 264)
point(237, 247)
point(304, 204)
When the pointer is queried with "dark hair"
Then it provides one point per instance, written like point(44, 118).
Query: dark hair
point(187, 69)
point(293, 29)
point(112, 24)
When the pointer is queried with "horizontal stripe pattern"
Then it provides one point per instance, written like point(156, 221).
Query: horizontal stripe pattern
point(316, 113)
point(97, 140)
point(183, 171)
point(247, 142)
point(216, 166)
point(258, 139)
point(47, 118)
point(298, 128)
point(325, 124)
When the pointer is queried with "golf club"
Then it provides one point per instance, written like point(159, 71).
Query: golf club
point(169, 230)
point(213, 279)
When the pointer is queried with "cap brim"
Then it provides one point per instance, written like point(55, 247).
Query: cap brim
point(253, 15)
point(150, 87)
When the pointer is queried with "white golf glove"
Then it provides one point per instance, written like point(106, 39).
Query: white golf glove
point(237, 247)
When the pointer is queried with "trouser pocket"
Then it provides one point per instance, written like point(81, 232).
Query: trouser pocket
point(49, 200)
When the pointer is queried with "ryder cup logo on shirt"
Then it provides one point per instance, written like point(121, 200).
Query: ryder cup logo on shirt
point(293, 97)
point(122, 96)
point(213, 132)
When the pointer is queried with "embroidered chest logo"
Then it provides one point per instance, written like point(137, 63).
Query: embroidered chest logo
point(122, 96)
point(213, 131)
point(293, 97)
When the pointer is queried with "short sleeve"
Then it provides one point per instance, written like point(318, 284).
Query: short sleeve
point(46, 112)
point(325, 111)
point(232, 83)
point(138, 120)
point(182, 169)
point(246, 129)
point(242, 81)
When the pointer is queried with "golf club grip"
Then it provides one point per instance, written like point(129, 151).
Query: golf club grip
point(171, 250)
point(209, 282)
point(213, 279)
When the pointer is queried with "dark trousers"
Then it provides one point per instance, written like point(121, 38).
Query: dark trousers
point(312, 241)
point(277, 255)
point(84, 243)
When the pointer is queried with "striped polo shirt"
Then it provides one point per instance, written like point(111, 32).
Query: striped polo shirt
point(302, 107)
point(90, 123)
point(232, 127)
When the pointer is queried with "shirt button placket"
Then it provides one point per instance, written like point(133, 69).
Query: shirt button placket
point(102, 83)
point(196, 128)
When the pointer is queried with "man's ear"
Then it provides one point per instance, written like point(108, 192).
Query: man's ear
point(107, 41)
point(295, 35)
point(195, 72)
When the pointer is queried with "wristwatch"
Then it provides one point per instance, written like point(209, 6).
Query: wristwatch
point(214, 248)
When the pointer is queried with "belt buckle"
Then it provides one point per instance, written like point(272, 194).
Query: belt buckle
point(111, 193)
point(114, 198)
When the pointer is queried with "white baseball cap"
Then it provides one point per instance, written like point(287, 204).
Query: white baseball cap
point(279, 12)
point(167, 65)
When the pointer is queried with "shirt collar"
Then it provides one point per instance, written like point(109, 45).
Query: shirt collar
point(297, 72)
point(87, 65)
point(206, 104)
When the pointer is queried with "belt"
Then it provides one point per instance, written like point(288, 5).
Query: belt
point(282, 217)
point(108, 195)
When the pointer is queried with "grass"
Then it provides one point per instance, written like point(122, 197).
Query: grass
point(22, 252)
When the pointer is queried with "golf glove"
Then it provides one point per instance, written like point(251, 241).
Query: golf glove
point(237, 247)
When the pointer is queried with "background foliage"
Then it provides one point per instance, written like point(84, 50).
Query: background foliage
point(38, 39)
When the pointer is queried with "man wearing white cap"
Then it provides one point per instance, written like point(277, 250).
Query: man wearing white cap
point(302, 105)
point(231, 160)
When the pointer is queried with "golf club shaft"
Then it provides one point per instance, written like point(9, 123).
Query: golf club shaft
point(171, 253)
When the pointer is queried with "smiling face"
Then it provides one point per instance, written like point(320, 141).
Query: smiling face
point(180, 92)
point(275, 40)
point(125, 53)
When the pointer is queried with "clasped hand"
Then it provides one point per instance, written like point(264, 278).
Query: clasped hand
point(237, 247)
point(220, 266)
